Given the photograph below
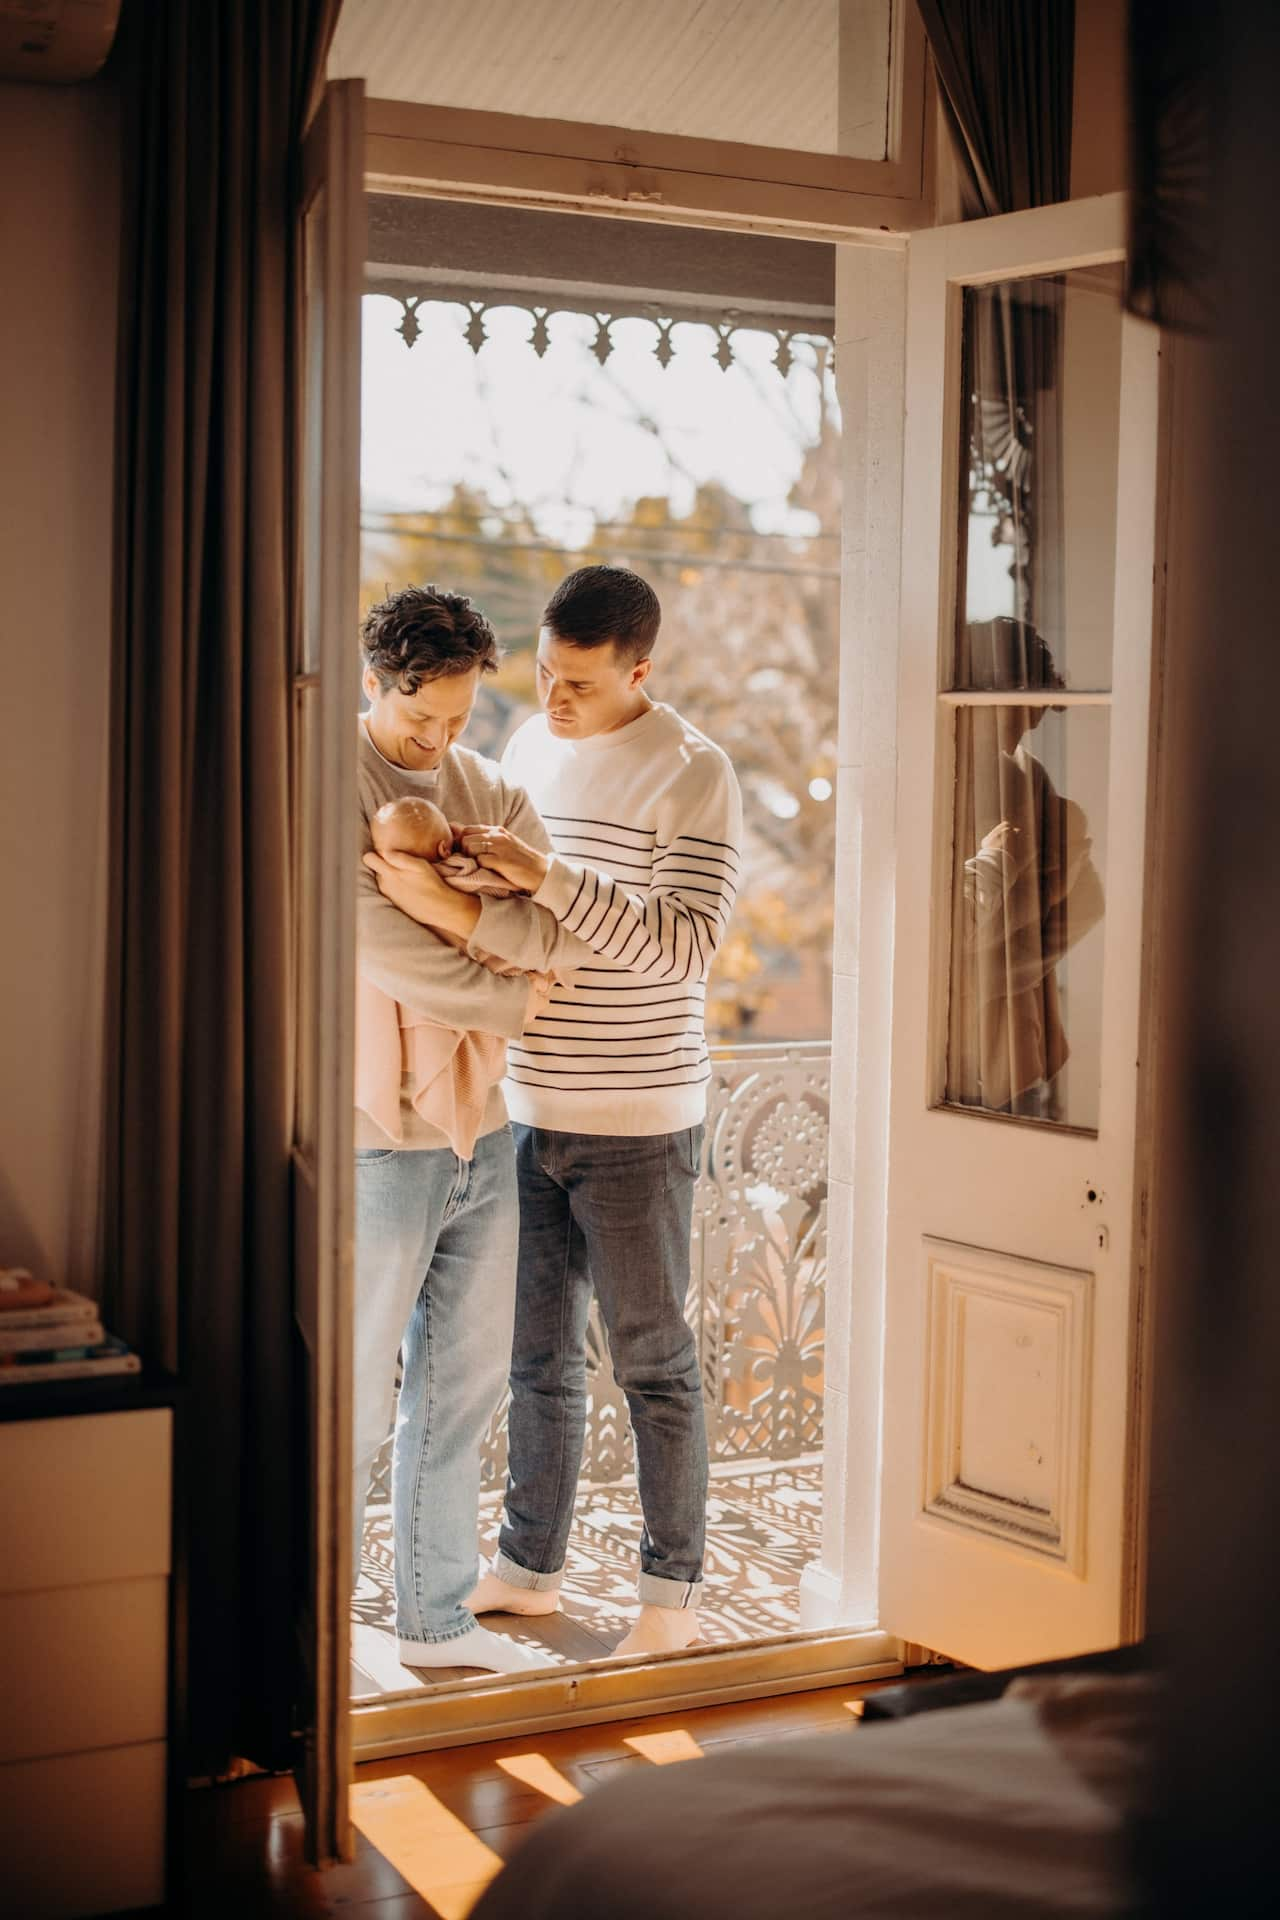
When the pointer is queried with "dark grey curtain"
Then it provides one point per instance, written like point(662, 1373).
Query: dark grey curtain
point(197, 1232)
point(1005, 69)
point(1177, 99)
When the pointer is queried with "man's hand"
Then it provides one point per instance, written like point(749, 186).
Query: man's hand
point(413, 885)
point(1003, 838)
point(502, 852)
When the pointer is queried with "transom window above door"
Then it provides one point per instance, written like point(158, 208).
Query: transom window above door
point(806, 74)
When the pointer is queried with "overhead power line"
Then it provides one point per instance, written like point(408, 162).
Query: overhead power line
point(553, 546)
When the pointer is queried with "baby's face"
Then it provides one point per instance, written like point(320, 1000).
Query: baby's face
point(412, 825)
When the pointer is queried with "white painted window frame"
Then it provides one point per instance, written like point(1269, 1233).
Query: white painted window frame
point(457, 153)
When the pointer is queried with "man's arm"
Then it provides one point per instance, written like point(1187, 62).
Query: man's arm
point(433, 980)
point(672, 932)
point(517, 930)
point(1028, 907)
point(511, 930)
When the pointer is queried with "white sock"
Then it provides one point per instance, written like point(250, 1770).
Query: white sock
point(478, 1648)
point(661, 1630)
point(496, 1595)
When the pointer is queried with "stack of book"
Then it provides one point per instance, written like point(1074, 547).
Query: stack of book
point(50, 1333)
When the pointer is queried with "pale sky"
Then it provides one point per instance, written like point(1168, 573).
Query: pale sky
point(571, 443)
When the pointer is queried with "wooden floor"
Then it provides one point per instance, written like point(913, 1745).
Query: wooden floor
point(434, 1828)
point(764, 1525)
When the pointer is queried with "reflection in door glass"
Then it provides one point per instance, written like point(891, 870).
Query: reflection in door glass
point(1039, 463)
point(1025, 1030)
point(1035, 594)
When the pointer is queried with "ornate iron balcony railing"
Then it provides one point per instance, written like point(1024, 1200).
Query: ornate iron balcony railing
point(757, 1298)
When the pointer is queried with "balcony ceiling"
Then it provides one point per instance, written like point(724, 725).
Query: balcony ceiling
point(760, 71)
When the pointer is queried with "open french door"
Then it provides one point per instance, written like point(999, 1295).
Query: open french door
point(331, 244)
point(1016, 1174)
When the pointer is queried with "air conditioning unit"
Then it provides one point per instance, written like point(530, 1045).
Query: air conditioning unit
point(59, 41)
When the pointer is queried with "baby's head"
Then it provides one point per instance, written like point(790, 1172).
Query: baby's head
point(412, 825)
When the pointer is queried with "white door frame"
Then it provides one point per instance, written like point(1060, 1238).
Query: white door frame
point(840, 1593)
point(840, 1639)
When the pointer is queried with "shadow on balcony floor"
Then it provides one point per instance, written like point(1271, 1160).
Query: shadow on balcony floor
point(763, 1527)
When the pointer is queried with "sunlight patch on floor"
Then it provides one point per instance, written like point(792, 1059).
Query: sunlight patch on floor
point(665, 1749)
point(437, 1853)
point(534, 1770)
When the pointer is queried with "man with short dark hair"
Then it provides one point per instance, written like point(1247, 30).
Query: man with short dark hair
point(435, 1232)
point(608, 1084)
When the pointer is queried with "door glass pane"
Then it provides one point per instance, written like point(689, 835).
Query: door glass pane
point(1025, 1014)
point(1035, 593)
point(1039, 456)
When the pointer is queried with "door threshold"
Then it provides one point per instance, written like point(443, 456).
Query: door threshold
point(462, 1712)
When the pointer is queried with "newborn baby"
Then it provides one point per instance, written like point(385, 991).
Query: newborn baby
point(415, 825)
point(449, 1074)
point(412, 825)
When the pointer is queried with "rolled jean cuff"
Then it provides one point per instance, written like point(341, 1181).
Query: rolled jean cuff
point(668, 1593)
point(521, 1577)
point(439, 1639)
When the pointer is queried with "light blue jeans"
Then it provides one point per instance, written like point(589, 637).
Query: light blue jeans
point(436, 1243)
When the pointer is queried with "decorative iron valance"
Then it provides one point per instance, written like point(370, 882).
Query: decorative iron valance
point(477, 302)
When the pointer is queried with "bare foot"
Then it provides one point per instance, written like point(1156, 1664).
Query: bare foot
point(661, 1630)
point(499, 1596)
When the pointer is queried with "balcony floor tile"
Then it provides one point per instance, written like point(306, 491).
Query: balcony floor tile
point(764, 1526)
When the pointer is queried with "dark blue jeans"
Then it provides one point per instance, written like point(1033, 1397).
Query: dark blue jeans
point(612, 1214)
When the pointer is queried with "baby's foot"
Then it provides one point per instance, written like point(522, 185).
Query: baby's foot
point(478, 1648)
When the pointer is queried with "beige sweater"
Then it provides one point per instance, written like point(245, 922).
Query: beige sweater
point(431, 982)
point(444, 1073)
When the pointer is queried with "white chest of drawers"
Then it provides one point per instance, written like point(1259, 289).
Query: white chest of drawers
point(85, 1568)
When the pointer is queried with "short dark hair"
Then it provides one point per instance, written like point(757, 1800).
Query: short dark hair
point(1005, 655)
point(599, 604)
point(424, 633)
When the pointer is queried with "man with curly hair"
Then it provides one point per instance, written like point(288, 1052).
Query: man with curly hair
point(436, 1234)
point(608, 1084)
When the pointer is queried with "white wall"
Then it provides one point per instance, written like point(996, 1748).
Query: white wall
point(59, 218)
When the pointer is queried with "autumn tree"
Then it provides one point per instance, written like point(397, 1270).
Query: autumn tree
point(749, 653)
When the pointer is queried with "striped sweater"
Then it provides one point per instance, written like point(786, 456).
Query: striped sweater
point(646, 822)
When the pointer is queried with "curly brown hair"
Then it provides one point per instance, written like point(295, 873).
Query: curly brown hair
point(424, 633)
